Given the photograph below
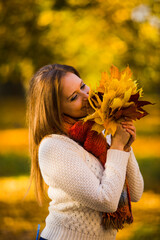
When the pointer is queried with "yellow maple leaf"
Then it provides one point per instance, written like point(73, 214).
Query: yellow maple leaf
point(97, 127)
point(117, 102)
point(103, 82)
point(112, 95)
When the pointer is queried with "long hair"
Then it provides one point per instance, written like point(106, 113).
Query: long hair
point(44, 115)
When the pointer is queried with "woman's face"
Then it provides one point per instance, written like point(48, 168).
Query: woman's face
point(74, 95)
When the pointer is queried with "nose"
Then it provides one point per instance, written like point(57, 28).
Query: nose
point(85, 93)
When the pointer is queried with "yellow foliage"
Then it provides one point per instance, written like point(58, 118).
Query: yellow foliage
point(27, 70)
point(45, 18)
point(121, 15)
point(149, 32)
point(116, 90)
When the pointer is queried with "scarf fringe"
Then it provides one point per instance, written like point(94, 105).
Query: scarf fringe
point(117, 219)
point(122, 215)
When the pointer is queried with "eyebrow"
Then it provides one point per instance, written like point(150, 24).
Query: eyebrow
point(75, 91)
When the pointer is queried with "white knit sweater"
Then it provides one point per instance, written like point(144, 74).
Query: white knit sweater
point(80, 188)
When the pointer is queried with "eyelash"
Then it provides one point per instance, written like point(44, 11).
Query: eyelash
point(73, 98)
point(83, 85)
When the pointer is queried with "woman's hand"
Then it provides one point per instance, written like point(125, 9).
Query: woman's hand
point(130, 128)
point(120, 138)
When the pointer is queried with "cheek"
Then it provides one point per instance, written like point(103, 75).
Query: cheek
point(77, 105)
point(73, 106)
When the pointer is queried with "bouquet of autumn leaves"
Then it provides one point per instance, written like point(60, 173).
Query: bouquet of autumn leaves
point(116, 97)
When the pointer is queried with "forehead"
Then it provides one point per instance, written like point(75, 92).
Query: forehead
point(70, 83)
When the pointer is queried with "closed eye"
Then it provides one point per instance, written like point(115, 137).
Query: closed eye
point(73, 98)
point(83, 85)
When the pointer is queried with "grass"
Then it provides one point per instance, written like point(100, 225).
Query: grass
point(147, 231)
point(13, 164)
point(20, 217)
point(150, 171)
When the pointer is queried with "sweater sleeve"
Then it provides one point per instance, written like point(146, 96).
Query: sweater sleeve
point(134, 176)
point(63, 163)
point(135, 179)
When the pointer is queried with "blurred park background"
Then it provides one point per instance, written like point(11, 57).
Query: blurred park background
point(89, 35)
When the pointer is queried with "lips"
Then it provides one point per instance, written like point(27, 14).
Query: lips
point(87, 107)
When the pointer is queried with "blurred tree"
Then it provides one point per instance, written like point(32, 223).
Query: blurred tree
point(59, 4)
point(90, 35)
point(21, 49)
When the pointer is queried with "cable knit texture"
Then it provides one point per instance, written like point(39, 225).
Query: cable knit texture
point(80, 188)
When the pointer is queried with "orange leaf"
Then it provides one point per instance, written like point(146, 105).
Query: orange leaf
point(114, 72)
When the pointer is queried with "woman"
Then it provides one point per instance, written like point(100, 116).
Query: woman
point(80, 188)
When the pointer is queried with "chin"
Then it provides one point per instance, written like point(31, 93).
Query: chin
point(77, 116)
point(80, 116)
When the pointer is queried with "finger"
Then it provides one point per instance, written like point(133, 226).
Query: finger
point(129, 122)
point(131, 140)
point(129, 126)
point(131, 132)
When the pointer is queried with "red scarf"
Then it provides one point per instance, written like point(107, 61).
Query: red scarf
point(96, 144)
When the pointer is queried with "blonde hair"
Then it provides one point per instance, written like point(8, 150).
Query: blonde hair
point(44, 115)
